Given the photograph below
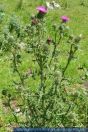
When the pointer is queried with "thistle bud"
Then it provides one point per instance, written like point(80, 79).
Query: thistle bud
point(49, 40)
point(78, 38)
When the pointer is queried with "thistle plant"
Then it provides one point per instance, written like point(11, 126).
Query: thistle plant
point(49, 104)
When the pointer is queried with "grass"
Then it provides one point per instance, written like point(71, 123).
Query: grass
point(78, 15)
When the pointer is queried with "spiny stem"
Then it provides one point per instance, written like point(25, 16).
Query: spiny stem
point(55, 46)
point(15, 117)
point(16, 69)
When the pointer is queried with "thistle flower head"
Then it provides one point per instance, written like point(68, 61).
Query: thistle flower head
point(64, 19)
point(42, 9)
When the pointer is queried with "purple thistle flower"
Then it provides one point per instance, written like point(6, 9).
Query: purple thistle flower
point(42, 9)
point(64, 19)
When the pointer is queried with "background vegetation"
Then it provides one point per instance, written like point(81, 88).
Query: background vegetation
point(77, 72)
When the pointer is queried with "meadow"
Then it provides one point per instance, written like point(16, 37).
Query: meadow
point(74, 86)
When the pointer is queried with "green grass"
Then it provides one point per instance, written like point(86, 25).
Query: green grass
point(78, 22)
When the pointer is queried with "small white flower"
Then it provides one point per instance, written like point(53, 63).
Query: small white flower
point(52, 5)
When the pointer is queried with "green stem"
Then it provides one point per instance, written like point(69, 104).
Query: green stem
point(16, 69)
point(68, 61)
point(22, 81)
point(15, 117)
point(55, 46)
